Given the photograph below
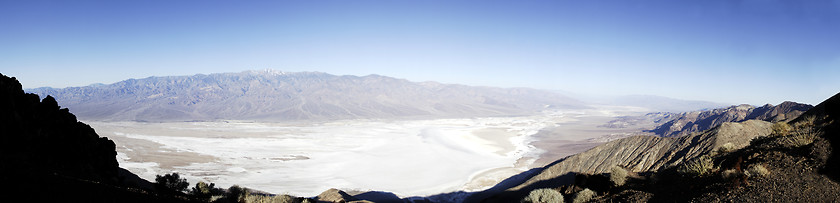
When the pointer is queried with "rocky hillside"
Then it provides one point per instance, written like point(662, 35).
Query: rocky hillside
point(685, 123)
point(639, 153)
point(274, 95)
point(795, 163)
point(765, 162)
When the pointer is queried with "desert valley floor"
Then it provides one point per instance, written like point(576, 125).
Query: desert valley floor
point(406, 157)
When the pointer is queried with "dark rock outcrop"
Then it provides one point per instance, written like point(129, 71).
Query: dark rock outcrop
point(828, 111)
point(41, 136)
point(46, 155)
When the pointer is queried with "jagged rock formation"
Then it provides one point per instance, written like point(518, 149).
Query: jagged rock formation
point(686, 123)
point(274, 95)
point(785, 111)
point(46, 155)
point(39, 135)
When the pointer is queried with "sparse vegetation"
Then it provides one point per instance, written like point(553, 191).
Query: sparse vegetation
point(273, 199)
point(781, 128)
point(698, 167)
point(208, 192)
point(618, 175)
point(799, 140)
point(584, 196)
point(801, 137)
point(544, 195)
point(806, 122)
point(237, 194)
point(204, 192)
point(172, 182)
point(757, 170)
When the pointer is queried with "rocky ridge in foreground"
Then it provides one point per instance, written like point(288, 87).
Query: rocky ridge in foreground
point(48, 156)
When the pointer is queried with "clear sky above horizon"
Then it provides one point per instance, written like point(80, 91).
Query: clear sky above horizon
point(733, 51)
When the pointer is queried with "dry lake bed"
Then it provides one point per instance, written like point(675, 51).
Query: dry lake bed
point(406, 157)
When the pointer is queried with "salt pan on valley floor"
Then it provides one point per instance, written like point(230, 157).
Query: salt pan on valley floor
point(408, 158)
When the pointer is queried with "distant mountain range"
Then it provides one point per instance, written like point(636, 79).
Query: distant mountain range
point(276, 96)
point(652, 103)
point(664, 104)
point(680, 124)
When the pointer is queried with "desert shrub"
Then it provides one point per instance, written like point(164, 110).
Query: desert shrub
point(273, 199)
point(726, 148)
point(288, 199)
point(698, 167)
point(757, 170)
point(171, 181)
point(584, 196)
point(204, 192)
point(544, 195)
point(237, 194)
point(267, 199)
point(806, 122)
point(801, 137)
point(618, 175)
point(201, 191)
point(730, 174)
point(781, 128)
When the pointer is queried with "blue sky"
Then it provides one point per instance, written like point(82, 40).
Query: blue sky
point(734, 51)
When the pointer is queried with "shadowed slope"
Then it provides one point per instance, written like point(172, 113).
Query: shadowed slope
point(46, 155)
point(829, 110)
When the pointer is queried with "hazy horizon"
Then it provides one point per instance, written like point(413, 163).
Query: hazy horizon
point(752, 52)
